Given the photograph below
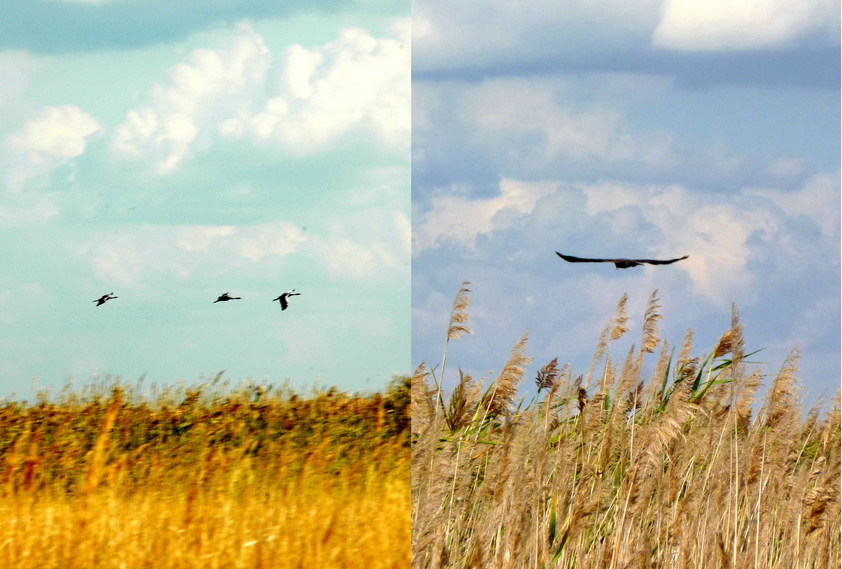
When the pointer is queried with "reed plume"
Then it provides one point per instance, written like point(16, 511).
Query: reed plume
point(463, 402)
point(650, 323)
point(546, 377)
point(457, 325)
point(500, 395)
point(648, 472)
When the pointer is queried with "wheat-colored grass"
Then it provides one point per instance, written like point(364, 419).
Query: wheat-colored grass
point(206, 477)
point(680, 469)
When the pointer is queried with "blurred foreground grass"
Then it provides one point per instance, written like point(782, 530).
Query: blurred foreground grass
point(205, 476)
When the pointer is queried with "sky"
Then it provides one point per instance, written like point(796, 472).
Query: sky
point(609, 128)
point(172, 151)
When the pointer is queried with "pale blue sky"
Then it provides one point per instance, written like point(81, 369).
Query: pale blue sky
point(172, 151)
point(169, 157)
point(615, 129)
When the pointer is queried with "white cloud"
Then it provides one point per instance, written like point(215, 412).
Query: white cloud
point(373, 246)
point(727, 237)
point(711, 25)
point(609, 196)
point(817, 201)
point(536, 127)
point(354, 82)
point(54, 137)
point(730, 238)
point(182, 114)
point(585, 133)
point(279, 239)
point(377, 250)
point(59, 132)
point(137, 257)
point(249, 242)
point(459, 219)
point(200, 237)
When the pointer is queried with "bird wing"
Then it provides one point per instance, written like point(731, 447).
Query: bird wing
point(661, 262)
point(572, 259)
point(283, 299)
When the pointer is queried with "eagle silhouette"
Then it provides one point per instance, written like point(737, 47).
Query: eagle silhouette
point(621, 263)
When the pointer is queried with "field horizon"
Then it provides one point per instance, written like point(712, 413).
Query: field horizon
point(205, 476)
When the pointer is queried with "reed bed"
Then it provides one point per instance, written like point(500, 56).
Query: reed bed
point(683, 467)
point(205, 476)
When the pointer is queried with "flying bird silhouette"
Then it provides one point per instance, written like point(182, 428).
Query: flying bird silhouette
point(284, 298)
point(226, 296)
point(621, 263)
point(104, 298)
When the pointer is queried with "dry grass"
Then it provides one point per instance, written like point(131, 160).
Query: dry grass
point(205, 477)
point(619, 470)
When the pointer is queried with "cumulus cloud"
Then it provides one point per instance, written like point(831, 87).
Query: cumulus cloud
point(59, 132)
point(301, 100)
point(356, 80)
point(817, 201)
point(728, 240)
point(54, 137)
point(461, 220)
point(713, 25)
point(183, 112)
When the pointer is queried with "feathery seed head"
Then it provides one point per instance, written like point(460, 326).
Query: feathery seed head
point(459, 314)
point(620, 319)
point(650, 323)
point(547, 375)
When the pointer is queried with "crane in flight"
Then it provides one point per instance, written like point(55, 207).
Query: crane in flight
point(284, 298)
point(226, 296)
point(104, 298)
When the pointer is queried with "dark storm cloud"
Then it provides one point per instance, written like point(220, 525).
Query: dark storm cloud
point(819, 68)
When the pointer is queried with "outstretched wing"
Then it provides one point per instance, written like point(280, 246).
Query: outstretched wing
point(661, 262)
point(283, 299)
point(572, 259)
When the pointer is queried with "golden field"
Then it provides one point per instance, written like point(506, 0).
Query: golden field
point(207, 476)
point(686, 466)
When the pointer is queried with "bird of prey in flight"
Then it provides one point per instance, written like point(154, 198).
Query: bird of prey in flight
point(104, 298)
point(284, 298)
point(226, 296)
point(621, 263)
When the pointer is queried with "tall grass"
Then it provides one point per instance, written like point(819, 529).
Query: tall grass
point(682, 468)
point(207, 476)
